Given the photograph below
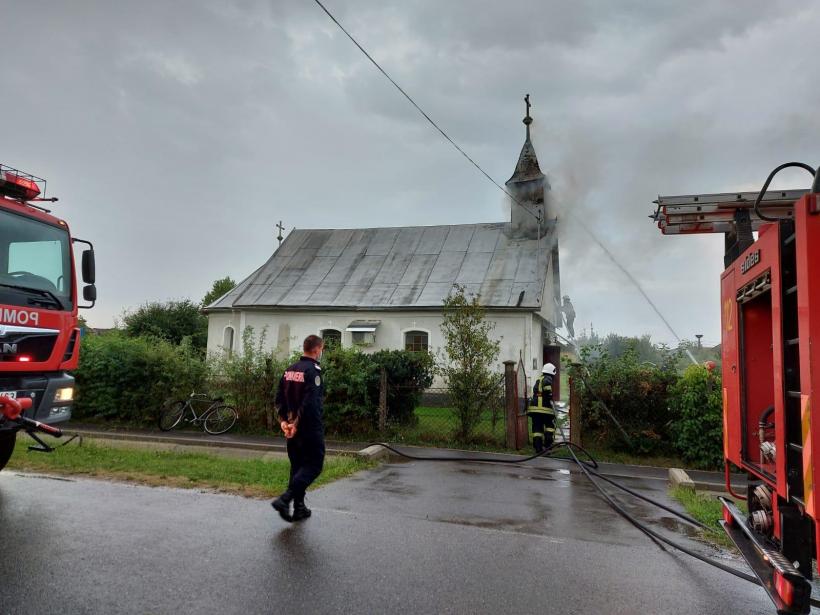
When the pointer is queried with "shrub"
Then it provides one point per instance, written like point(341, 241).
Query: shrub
point(351, 390)
point(353, 383)
point(696, 405)
point(128, 378)
point(625, 401)
point(249, 379)
point(408, 375)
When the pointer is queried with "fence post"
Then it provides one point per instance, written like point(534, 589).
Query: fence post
point(574, 413)
point(383, 401)
point(510, 403)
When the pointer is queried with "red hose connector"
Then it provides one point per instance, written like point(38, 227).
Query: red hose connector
point(13, 408)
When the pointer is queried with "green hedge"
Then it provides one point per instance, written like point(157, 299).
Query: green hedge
point(351, 399)
point(353, 381)
point(128, 378)
point(696, 404)
point(660, 410)
point(628, 392)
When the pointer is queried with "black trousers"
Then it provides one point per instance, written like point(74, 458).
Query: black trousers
point(307, 457)
point(543, 430)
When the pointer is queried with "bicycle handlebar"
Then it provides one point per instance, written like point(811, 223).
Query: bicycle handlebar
point(205, 397)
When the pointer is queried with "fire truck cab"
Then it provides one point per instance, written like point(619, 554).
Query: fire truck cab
point(39, 334)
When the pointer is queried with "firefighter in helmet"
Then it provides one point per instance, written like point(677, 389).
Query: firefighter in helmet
point(541, 410)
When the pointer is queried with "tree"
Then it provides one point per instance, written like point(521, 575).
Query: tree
point(172, 321)
point(470, 352)
point(219, 288)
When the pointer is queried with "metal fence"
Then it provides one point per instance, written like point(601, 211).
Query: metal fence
point(438, 420)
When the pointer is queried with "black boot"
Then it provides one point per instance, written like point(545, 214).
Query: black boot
point(282, 506)
point(300, 511)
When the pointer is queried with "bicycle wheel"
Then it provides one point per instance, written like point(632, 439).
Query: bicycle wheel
point(220, 419)
point(171, 415)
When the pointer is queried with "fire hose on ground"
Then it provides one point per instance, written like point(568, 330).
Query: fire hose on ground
point(589, 469)
point(12, 410)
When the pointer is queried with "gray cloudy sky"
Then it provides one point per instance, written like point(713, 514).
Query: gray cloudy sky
point(177, 134)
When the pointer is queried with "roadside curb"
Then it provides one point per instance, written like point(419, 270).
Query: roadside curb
point(373, 452)
point(701, 480)
point(261, 447)
point(679, 478)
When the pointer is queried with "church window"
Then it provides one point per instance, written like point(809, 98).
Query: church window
point(333, 338)
point(416, 341)
point(364, 338)
point(227, 340)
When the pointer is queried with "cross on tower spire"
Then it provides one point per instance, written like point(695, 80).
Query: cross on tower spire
point(528, 119)
point(527, 168)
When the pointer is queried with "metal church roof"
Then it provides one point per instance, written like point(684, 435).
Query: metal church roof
point(396, 268)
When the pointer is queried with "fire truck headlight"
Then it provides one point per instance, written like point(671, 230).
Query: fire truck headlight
point(64, 394)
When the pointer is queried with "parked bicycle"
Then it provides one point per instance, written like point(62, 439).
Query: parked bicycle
point(217, 418)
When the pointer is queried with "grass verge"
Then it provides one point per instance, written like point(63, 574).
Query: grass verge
point(708, 510)
point(248, 477)
point(437, 427)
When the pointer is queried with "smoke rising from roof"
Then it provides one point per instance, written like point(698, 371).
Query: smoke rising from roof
point(245, 113)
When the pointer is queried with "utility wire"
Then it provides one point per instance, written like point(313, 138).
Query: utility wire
point(420, 110)
point(487, 175)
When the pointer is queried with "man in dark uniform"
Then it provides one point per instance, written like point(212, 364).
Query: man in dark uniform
point(299, 404)
point(541, 410)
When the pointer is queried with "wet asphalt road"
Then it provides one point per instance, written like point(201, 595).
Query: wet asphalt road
point(404, 538)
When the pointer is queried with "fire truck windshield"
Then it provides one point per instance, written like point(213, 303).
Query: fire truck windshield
point(35, 263)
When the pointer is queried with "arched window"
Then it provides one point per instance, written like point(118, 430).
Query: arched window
point(227, 340)
point(333, 338)
point(416, 341)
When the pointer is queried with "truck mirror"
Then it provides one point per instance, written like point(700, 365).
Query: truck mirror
point(90, 292)
point(89, 268)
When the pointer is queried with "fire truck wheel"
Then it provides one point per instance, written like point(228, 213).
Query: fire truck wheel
point(7, 440)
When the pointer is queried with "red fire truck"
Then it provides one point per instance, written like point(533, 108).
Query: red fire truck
point(39, 336)
point(770, 304)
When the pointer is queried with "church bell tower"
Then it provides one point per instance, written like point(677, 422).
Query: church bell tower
point(529, 187)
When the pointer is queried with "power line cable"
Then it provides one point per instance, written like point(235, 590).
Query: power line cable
point(537, 216)
point(420, 110)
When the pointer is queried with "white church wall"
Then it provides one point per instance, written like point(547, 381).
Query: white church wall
point(518, 334)
point(217, 325)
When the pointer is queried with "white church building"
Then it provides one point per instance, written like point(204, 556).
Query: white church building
point(383, 288)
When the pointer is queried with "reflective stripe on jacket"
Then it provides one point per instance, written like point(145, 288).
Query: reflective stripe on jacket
point(542, 396)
